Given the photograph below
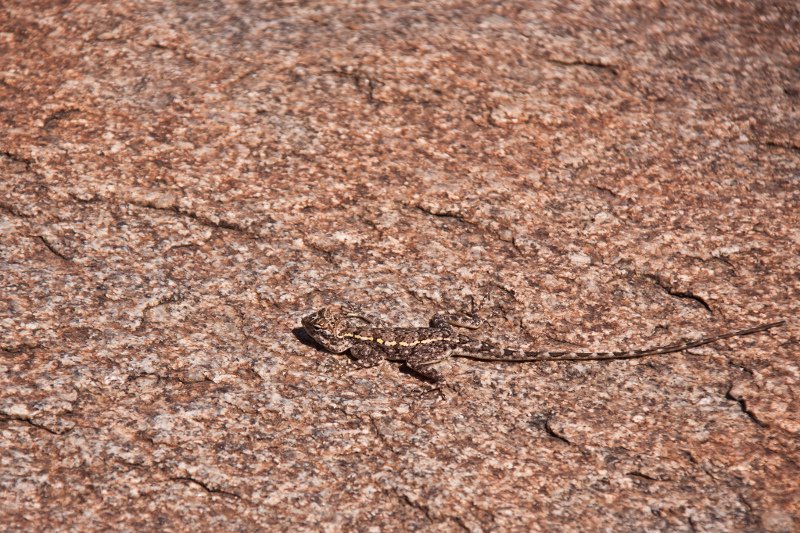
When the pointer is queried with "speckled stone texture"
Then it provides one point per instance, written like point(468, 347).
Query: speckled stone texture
point(180, 182)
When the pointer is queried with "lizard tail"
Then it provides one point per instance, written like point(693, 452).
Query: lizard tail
point(486, 352)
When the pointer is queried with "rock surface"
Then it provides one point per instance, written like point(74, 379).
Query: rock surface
point(180, 182)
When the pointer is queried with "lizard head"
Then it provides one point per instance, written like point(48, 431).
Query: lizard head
point(328, 326)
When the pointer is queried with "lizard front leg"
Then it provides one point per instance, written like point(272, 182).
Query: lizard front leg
point(366, 355)
point(421, 362)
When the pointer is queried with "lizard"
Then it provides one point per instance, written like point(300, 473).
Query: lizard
point(339, 328)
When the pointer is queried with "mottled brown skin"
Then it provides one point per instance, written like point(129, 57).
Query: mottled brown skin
point(339, 328)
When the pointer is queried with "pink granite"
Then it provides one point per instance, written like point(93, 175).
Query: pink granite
point(180, 182)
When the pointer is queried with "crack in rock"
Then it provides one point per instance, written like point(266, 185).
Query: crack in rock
point(211, 221)
point(205, 486)
point(55, 251)
point(30, 422)
point(743, 406)
point(686, 295)
point(56, 116)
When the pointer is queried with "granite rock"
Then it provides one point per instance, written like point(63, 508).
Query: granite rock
point(180, 182)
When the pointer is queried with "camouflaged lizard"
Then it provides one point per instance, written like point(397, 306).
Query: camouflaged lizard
point(339, 328)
